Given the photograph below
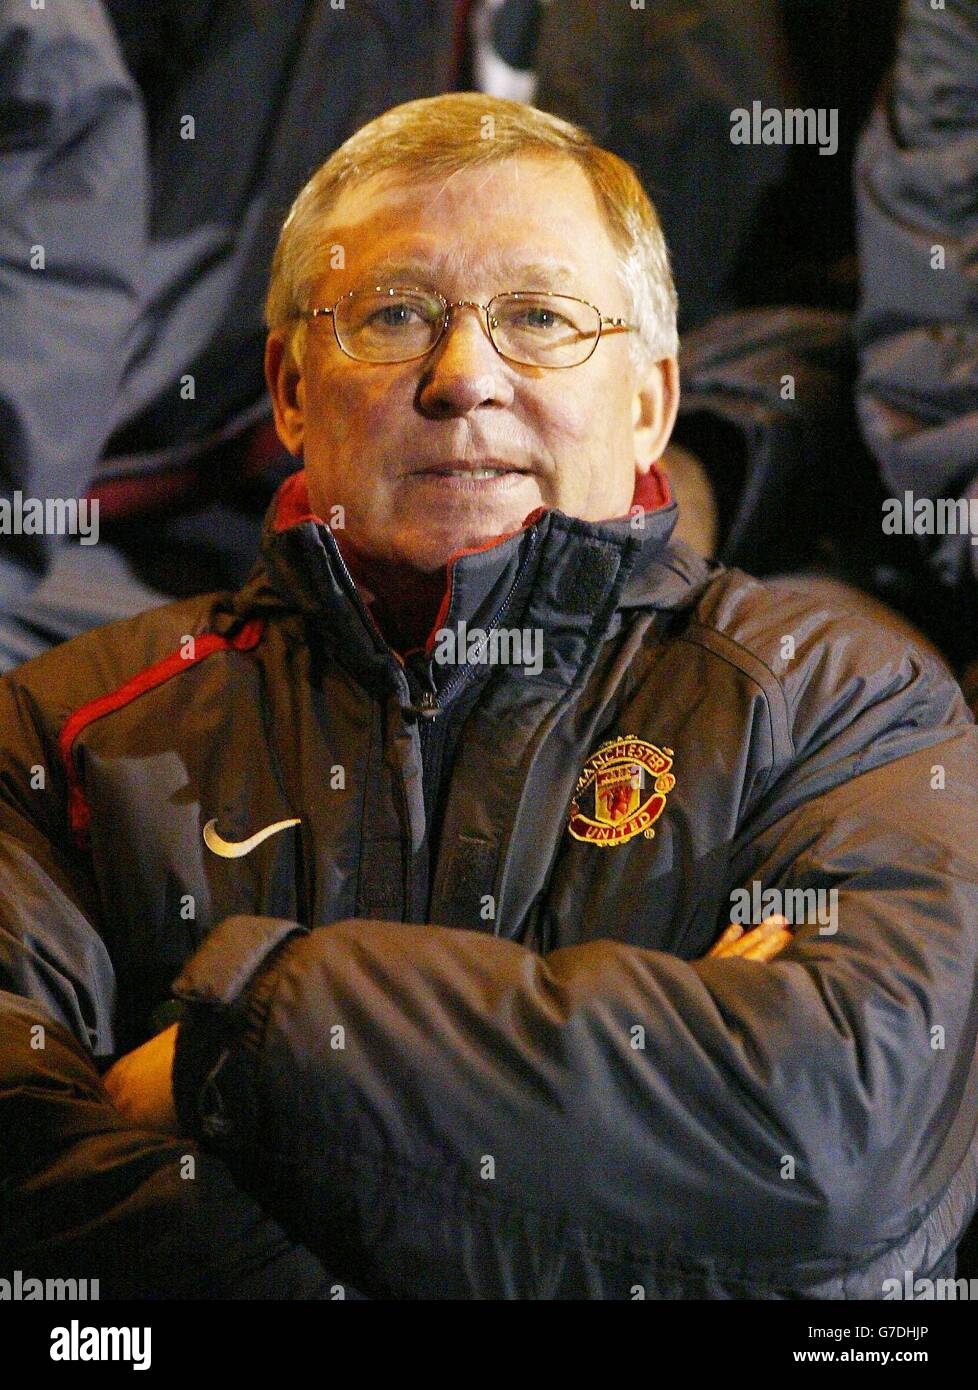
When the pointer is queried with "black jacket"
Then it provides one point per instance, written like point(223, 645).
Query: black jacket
point(451, 1027)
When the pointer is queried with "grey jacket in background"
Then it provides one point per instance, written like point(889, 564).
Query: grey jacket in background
point(917, 198)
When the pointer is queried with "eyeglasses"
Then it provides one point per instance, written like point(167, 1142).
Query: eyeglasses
point(528, 327)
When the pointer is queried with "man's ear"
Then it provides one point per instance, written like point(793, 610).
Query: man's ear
point(287, 388)
point(655, 405)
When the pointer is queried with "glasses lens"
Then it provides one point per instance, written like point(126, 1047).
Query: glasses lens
point(388, 325)
point(546, 330)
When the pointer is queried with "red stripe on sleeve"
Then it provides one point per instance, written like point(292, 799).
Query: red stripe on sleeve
point(79, 811)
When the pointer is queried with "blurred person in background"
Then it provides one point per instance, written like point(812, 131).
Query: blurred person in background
point(148, 150)
point(916, 182)
point(917, 328)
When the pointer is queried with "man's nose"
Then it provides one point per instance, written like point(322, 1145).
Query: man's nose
point(464, 371)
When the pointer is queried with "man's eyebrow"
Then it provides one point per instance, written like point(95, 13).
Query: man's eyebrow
point(517, 274)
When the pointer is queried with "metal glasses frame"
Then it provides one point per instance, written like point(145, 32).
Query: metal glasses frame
point(618, 325)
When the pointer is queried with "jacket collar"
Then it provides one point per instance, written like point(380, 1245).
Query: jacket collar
point(569, 578)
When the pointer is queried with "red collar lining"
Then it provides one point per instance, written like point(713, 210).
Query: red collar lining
point(292, 508)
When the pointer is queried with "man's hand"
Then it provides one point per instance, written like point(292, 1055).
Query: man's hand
point(760, 943)
point(140, 1084)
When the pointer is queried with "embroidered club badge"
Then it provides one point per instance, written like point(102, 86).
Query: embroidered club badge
point(621, 791)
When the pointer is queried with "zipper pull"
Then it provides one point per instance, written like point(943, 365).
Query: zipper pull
point(428, 708)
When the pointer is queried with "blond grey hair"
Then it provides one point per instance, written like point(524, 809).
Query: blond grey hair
point(439, 136)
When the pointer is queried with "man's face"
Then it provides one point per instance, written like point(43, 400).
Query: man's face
point(371, 434)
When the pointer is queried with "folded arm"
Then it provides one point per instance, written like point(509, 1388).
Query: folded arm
point(459, 1114)
point(85, 1192)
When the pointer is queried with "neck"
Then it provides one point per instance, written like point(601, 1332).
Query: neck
point(404, 601)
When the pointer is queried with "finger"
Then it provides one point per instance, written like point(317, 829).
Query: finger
point(113, 1080)
point(732, 933)
point(775, 920)
point(757, 936)
point(735, 942)
point(741, 945)
point(771, 945)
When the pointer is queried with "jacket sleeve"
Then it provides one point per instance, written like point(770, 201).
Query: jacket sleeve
point(82, 1193)
point(915, 175)
point(73, 188)
point(458, 1113)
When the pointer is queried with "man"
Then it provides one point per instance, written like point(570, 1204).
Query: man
point(459, 1012)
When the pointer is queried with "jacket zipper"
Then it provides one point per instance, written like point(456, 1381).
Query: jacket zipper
point(429, 706)
point(355, 595)
point(433, 739)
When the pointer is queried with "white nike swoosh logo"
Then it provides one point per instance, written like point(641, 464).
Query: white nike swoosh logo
point(234, 849)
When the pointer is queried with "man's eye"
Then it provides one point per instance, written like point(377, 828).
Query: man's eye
point(394, 316)
point(538, 318)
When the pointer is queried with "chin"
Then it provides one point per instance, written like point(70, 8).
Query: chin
point(422, 554)
point(432, 555)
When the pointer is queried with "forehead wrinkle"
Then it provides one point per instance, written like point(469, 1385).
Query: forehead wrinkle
point(518, 261)
point(512, 163)
point(531, 273)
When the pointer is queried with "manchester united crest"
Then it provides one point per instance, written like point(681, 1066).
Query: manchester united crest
point(621, 791)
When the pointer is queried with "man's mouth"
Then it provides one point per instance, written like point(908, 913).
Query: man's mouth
point(475, 470)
